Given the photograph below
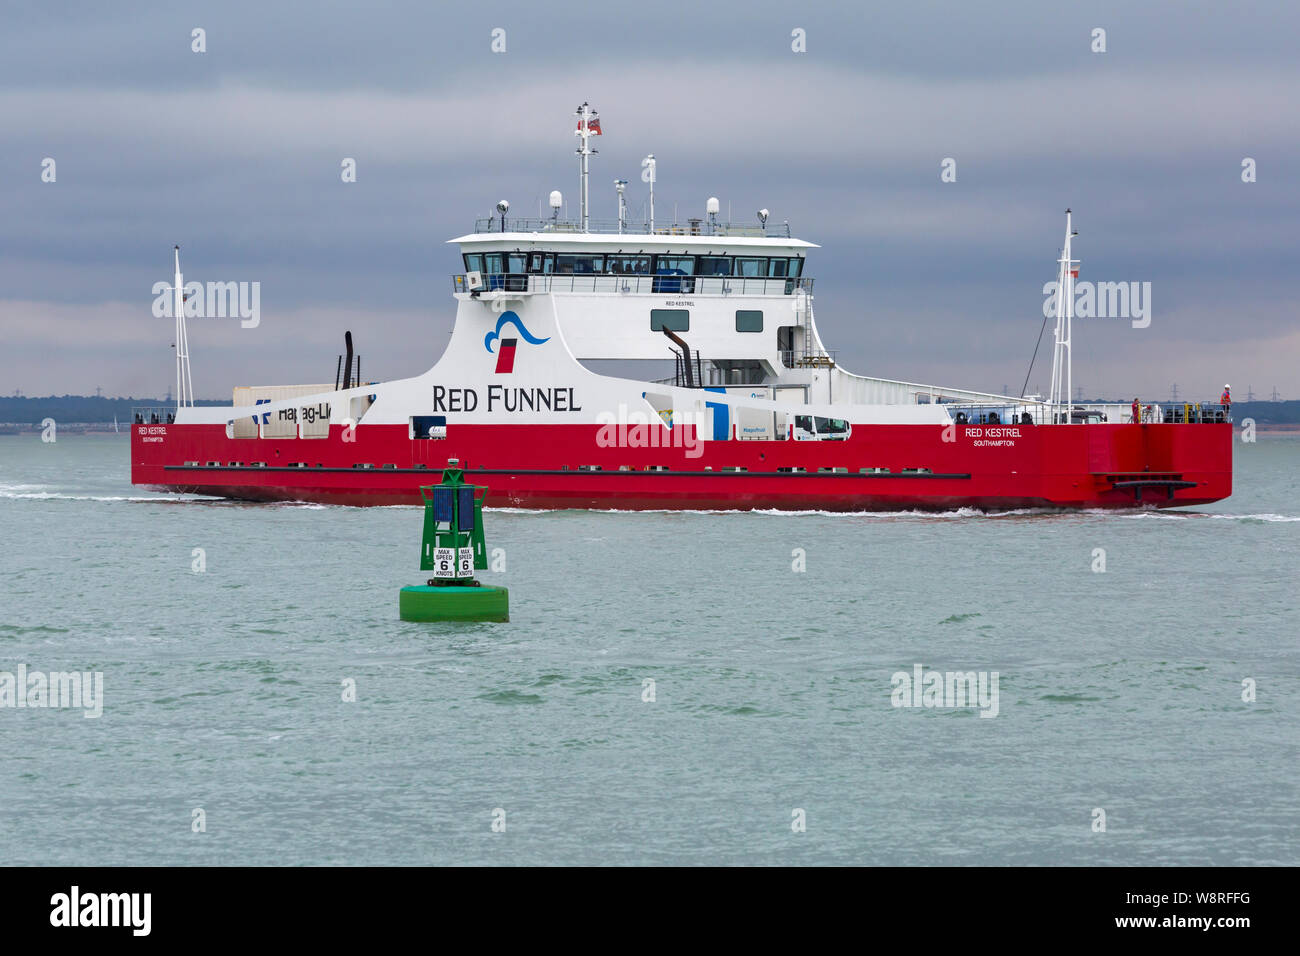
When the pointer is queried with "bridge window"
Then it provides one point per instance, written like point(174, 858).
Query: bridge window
point(668, 269)
point(675, 320)
point(749, 320)
point(713, 266)
point(473, 262)
point(579, 265)
point(675, 265)
point(751, 268)
point(785, 268)
point(541, 263)
point(628, 265)
point(497, 265)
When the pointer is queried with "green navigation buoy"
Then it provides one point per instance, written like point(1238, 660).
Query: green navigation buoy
point(453, 549)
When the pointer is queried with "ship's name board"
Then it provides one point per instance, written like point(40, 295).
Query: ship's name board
point(501, 398)
point(994, 437)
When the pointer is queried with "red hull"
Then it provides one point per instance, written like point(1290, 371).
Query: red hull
point(540, 466)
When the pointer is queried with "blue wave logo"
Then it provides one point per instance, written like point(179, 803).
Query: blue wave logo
point(509, 318)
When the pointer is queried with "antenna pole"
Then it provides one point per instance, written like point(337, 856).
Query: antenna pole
point(585, 114)
point(184, 385)
point(648, 176)
point(1069, 325)
point(1062, 355)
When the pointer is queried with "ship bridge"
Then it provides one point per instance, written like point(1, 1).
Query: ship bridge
point(728, 304)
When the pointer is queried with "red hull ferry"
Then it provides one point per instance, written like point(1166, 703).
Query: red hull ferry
point(756, 413)
point(1049, 466)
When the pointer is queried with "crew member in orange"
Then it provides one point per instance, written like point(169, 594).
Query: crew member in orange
point(1226, 398)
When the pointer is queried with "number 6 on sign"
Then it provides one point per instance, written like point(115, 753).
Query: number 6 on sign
point(444, 562)
point(465, 563)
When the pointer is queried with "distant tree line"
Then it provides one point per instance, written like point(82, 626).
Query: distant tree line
point(79, 408)
point(1268, 413)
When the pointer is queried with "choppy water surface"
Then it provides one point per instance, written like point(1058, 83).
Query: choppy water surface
point(223, 689)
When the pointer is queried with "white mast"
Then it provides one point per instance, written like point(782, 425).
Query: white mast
point(648, 176)
point(585, 114)
point(1063, 354)
point(184, 385)
point(620, 185)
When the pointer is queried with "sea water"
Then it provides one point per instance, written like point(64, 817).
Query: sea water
point(675, 688)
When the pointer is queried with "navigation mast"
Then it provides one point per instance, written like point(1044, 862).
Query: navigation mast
point(1063, 354)
point(184, 386)
point(648, 176)
point(586, 115)
point(621, 185)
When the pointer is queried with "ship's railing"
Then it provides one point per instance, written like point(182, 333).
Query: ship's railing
point(692, 227)
point(688, 370)
point(794, 358)
point(707, 374)
point(995, 413)
point(639, 284)
point(153, 414)
point(1192, 413)
point(1012, 412)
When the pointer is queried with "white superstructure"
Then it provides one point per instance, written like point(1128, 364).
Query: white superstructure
point(729, 305)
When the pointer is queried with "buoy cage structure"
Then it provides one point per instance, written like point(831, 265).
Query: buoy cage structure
point(453, 548)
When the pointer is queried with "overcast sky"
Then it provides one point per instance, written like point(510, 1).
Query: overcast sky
point(235, 154)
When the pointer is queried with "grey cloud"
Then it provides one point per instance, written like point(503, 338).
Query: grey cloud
point(236, 154)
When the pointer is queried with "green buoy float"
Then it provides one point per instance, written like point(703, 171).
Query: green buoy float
point(453, 549)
